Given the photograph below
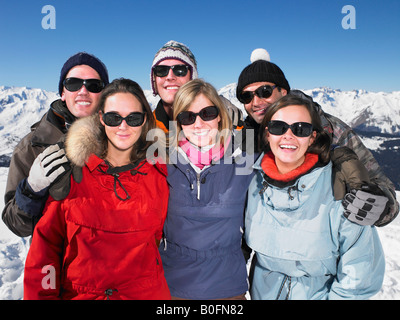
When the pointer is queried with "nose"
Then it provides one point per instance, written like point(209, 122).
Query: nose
point(171, 74)
point(288, 134)
point(199, 122)
point(83, 90)
point(123, 125)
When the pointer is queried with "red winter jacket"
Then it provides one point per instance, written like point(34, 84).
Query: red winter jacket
point(93, 245)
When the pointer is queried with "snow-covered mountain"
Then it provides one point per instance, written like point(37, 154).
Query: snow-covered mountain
point(19, 109)
point(374, 115)
point(377, 112)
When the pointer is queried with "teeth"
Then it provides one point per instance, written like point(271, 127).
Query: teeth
point(172, 88)
point(83, 103)
point(286, 146)
point(203, 133)
point(261, 110)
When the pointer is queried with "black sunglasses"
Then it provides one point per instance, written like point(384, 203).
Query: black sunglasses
point(92, 85)
point(180, 70)
point(262, 92)
point(113, 119)
point(299, 129)
point(186, 118)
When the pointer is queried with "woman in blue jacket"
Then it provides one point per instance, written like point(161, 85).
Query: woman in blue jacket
point(304, 247)
point(208, 179)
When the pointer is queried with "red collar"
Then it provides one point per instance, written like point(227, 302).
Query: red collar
point(270, 169)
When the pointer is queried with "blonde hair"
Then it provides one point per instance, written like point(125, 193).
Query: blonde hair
point(184, 98)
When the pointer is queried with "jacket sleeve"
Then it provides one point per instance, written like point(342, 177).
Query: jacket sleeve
point(44, 260)
point(16, 219)
point(361, 264)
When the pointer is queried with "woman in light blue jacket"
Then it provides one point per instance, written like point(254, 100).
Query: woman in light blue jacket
point(304, 247)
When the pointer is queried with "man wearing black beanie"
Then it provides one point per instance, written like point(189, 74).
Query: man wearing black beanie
point(262, 83)
point(37, 160)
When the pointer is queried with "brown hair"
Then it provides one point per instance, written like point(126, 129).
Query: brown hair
point(322, 142)
point(129, 86)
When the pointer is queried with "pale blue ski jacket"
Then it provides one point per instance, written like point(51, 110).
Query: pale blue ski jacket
point(304, 247)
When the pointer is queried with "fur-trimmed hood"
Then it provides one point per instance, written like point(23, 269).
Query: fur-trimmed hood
point(83, 139)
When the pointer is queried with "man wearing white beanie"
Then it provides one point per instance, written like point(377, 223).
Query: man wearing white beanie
point(173, 66)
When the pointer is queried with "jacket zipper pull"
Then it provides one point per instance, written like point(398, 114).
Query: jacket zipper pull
point(109, 293)
point(165, 243)
point(198, 186)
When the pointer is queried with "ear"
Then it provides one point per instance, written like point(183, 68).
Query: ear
point(266, 135)
point(101, 118)
point(63, 95)
point(145, 119)
point(313, 137)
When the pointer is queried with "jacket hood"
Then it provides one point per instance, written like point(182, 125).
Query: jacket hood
point(84, 138)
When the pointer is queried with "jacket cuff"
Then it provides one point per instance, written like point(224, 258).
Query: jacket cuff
point(29, 201)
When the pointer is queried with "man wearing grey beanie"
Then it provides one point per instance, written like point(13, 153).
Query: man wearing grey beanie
point(38, 161)
point(262, 83)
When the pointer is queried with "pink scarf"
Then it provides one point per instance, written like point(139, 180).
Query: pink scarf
point(202, 158)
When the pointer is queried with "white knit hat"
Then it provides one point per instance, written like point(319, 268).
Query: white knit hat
point(174, 50)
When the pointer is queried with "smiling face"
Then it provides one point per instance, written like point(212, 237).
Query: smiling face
point(121, 138)
point(258, 106)
point(168, 86)
point(201, 133)
point(289, 150)
point(81, 103)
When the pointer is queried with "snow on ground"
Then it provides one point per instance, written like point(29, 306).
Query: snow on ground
point(13, 251)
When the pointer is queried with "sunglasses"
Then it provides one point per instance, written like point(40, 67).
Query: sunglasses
point(186, 118)
point(113, 119)
point(299, 129)
point(180, 70)
point(262, 92)
point(92, 85)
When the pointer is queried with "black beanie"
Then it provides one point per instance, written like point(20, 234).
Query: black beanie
point(261, 70)
point(86, 59)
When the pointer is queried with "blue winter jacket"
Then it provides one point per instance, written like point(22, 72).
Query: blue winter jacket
point(304, 247)
point(201, 253)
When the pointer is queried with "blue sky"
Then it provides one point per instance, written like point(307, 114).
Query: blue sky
point(304, 37)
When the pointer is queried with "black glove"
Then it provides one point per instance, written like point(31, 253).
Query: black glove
point(365, 206)
point(59, 190)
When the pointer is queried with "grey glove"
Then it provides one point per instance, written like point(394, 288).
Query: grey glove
point(47, 167)
point(366, 206)
point(363, 201)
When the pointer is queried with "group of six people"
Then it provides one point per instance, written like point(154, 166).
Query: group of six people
point(290, 183)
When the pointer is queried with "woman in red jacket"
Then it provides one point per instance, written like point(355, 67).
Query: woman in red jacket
point(100, 241)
